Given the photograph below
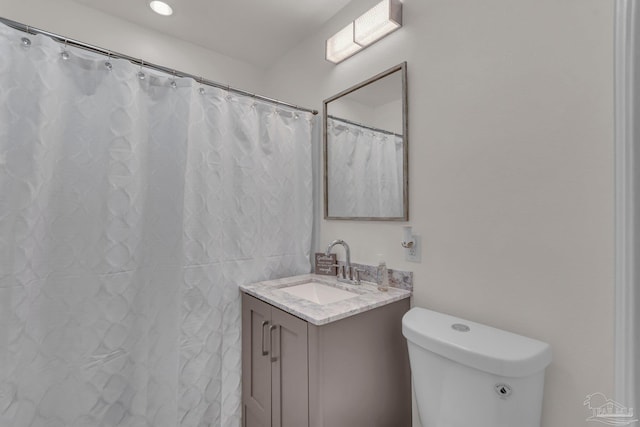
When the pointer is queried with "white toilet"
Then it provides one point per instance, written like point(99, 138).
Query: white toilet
point(470, 375)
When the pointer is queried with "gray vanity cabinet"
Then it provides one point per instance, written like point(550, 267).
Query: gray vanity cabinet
point(353, 372)
point(274, 366)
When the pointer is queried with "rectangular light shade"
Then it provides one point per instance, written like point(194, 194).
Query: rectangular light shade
point(377, 22)
point(341, 45)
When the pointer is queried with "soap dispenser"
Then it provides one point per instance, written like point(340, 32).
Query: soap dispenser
point(383, 275)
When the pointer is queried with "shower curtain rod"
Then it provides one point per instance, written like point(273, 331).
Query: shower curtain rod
point(386, 132)
point(75, 43)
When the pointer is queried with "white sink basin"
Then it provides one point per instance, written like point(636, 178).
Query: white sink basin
point(319, 293)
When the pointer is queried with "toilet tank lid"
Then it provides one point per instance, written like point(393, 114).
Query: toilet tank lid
point(481, 347)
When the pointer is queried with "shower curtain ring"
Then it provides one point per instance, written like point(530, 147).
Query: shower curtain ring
point(65, 54)
point(26, 42)
point(141, 75)
point(173, 83)
point(108, 61)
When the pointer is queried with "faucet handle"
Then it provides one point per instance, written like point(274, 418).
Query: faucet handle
point(340, 270)
point(356, 275)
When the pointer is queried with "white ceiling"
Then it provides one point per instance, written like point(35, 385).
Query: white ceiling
point(255, 31)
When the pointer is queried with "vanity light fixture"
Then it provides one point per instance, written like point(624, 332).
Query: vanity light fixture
point(379, 21)
point(161, 8)
point(341, 45)
point(382, 19)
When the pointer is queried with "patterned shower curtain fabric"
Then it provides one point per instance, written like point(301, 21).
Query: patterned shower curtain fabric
point(130, 212)
point(365, 176)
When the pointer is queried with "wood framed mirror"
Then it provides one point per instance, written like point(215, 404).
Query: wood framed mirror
point(365, 147)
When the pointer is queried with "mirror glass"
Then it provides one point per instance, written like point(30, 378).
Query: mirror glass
point(365, 150)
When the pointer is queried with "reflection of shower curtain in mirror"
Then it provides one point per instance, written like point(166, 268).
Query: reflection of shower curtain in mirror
point(364, 171)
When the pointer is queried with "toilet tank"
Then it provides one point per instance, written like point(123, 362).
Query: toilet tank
point(468, 374)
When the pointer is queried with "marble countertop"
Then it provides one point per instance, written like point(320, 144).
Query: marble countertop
point(369, 297)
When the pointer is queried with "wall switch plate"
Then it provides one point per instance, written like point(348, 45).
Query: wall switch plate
point(414, 253)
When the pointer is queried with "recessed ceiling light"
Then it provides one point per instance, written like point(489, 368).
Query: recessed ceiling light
point(161, 8)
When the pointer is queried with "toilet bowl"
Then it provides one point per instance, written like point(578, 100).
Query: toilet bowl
point(466, 374)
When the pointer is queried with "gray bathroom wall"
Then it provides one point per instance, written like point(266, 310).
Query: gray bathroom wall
point(511, 170)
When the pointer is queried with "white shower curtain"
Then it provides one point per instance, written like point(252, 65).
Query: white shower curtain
point(130, 211)
point(365, 171)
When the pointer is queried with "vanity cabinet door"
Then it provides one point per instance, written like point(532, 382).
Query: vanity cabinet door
point(290, 371)
point(256, 363)
point(275, 379)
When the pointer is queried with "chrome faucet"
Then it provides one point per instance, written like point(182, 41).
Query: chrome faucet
point(349, 274)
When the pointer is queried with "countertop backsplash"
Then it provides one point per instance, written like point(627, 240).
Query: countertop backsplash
point(397, 278)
